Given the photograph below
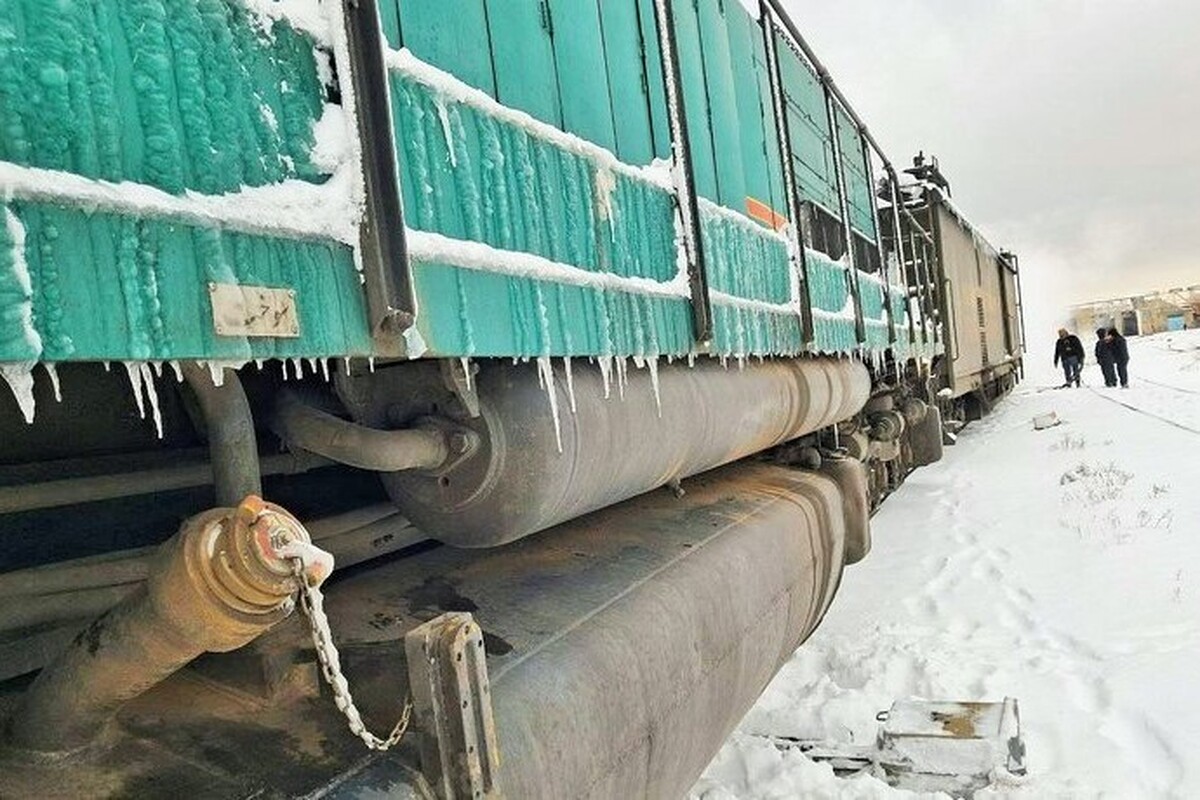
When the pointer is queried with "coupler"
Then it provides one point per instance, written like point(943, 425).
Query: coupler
point(226, 577)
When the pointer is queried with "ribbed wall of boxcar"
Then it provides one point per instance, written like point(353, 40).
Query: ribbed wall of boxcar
point(168, 100)
point(982, 339)
point(533, 151)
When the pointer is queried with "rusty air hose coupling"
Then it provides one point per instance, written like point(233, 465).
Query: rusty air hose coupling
point(225, 578)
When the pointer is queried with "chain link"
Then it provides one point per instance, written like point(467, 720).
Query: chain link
point(313, 603)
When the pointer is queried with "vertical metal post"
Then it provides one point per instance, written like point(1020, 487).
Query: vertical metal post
point(390, 302)
point(919, 283)
point(887, 284)
point(685, 185)
point(939, 280)
point(1020, 301)
point(898, 238)
point(784, 135)
point(844, 201)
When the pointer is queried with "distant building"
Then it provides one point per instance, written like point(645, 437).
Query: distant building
point(1154, 312)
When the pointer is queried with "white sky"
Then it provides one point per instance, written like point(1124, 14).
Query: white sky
point(1069, 129)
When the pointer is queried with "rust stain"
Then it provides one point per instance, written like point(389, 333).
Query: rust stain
point(960, 724)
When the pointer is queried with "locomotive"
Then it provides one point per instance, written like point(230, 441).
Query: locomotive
point(551, 355)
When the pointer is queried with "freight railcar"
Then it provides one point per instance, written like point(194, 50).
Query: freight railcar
point(977, 293)
point(458, 288)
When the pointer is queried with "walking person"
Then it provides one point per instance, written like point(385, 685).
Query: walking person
point(1069, 350)
point(1105, 357)
point(1120, 351)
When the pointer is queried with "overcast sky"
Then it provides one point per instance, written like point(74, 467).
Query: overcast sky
point(1069, 129)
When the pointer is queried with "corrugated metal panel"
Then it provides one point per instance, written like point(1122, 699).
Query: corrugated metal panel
point(114, 287)
point(181, 97)
point(457, 42)
point(523, 57)
point(859, 194)
point(722, 105)
point(695, 100)
point(582, 71)
point(808, 125)
point(160, 94)
point(628, 82)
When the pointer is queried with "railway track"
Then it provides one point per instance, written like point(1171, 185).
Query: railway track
point(1144, 412)
point(1169, 386)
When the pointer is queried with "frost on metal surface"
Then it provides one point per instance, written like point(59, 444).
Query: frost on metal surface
point(449, 88)
point(435, 248)
point(16, 291)
point(303, 15)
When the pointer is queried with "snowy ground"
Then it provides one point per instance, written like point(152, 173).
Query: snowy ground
point(1060, 567)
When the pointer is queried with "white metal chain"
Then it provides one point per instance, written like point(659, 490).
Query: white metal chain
point(313, 603)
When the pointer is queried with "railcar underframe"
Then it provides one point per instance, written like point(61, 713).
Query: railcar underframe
point(607, 325)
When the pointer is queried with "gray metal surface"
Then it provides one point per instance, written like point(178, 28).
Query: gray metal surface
point(622, 648)
point(517, 482)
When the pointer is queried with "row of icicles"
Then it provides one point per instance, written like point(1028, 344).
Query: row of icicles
point(142, 374)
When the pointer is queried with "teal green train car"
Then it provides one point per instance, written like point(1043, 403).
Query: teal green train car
point(475, 273)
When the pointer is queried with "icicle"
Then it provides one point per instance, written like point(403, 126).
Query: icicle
point(621, 375)
point(135, 380)
point(52, 371)
point(444, 117)
point(605, 364)
point(691, 360)
point(312, 365)
point(741, 362)
point(546, 379)
point(258, 364)
point(570, 382)
point(216, 371)
point(606, 185)
point(652, 365)
point(141, 378)
point(324, 368)
point(19, 377)
point(178, 370)
point(298, 367)
point(107, 366)
point(157, 365)
point(371, 364)
point(346, 365)
point(152, 396)
point(466, 367)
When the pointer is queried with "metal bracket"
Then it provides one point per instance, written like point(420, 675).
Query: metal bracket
point(447, 674)
point(391, 305)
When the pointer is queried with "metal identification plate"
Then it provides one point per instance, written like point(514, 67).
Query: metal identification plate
point(254, 311)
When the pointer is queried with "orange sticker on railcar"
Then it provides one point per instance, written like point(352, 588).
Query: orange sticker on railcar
point(758, 210)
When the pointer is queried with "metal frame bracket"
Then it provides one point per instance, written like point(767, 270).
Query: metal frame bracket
point(447, 674)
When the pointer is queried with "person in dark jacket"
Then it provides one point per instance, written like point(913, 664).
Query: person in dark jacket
point(1120, 351)
point(1069, 350)
point(1105, 357)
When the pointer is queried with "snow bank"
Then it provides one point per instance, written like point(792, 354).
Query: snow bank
point(1058, 567)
